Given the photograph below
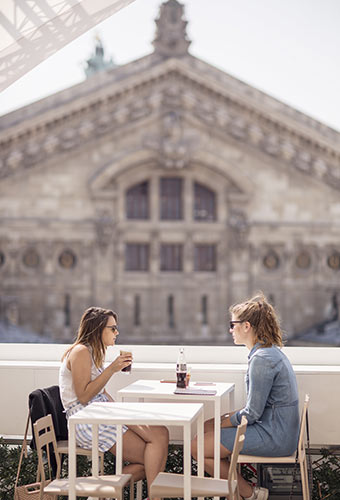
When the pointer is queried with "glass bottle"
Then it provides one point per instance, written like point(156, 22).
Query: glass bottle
point(181, 370)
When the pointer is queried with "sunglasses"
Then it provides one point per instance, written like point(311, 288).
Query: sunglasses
point(114, 328)
point(233, 323)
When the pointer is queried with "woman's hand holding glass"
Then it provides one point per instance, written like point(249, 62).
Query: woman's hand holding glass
point(122, 361)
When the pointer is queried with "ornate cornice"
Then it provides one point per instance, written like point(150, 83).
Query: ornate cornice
point(170, 86)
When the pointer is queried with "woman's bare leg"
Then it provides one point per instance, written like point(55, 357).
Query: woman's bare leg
point(245, 489)
point(136, 466)
point(156, 440)
point(145, 446)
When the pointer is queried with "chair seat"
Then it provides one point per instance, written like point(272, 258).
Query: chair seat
point(62, 447)
point(248, 459)
point(172, 485)
point(101, 486)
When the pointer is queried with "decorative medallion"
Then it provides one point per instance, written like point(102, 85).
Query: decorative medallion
point(303, 260)
point(15, 158)
point(271, 260)
point(31, 258)
point(67, 259)
point(333, 261)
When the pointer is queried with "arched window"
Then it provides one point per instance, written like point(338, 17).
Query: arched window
point(204, 203)
point(137, 201)
point(171, 199)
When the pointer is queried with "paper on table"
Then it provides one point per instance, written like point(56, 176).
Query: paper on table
point(197, 392)
point(204, 383)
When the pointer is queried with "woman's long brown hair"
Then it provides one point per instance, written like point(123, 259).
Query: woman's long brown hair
point(90, 331)
point(262, 317)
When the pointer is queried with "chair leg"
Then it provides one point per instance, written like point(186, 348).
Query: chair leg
point(237, 493)
point(132, 492)
point(101, 465)
point(139, 489)
point(308, 493)
point(304, 480)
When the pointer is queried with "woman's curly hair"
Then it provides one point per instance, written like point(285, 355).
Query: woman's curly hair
point(262, 317)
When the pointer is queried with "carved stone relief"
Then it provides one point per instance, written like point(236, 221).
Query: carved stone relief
point(173, 146)
point(229, 118)
point(51, 143)
point(104, 226)
point(239, 227)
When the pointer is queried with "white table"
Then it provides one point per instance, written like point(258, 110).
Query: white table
point(223, 402)
point(180, 414)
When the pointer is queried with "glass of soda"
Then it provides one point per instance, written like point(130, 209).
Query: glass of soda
point(127, 369)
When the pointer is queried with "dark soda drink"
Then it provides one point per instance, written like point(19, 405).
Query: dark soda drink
point(181, 380)
point(127, 369)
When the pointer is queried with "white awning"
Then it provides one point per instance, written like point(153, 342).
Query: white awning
point(33, 30)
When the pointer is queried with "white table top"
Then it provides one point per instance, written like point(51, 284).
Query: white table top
point(156, 389)
point(141, 413)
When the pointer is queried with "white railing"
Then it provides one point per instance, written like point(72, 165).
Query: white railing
point(25, 367)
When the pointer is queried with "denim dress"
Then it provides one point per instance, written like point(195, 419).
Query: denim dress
point(272, 407)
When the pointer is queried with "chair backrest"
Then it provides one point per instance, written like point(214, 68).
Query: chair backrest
point(47, 401)
point(301, 440)
point(238, 445)
point(45, 441)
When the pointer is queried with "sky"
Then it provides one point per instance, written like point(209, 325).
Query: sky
point(289, 49)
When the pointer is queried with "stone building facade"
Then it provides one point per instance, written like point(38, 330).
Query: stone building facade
point(166, 189)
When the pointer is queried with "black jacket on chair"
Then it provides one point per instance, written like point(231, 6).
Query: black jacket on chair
point(47, 401)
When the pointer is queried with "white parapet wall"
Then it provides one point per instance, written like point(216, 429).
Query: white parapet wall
point(25, 367)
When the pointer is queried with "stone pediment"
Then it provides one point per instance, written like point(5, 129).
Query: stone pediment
point(152, 86)
point(103, 182)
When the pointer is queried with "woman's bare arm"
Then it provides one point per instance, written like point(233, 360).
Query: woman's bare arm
point(79, 362)
point(225, 419)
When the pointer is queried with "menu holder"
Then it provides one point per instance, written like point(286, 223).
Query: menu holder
point(196, 392)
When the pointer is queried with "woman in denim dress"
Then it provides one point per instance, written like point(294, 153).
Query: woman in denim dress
point(272, 407)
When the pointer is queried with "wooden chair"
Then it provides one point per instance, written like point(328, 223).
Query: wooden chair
point(110, 486)
point(299, 455)
point(47, 401)
point(172, 485)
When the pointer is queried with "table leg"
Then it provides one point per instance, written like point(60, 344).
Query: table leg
point(119, 456)
point(72, 462)
point(95, 451)
point(231, 400)
point(217, 429)
point(187, 462)
point(200, 445)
